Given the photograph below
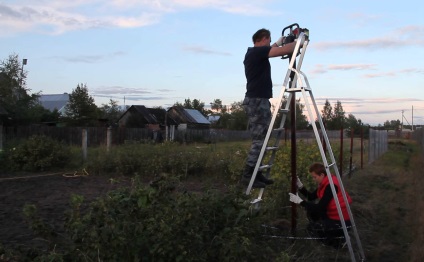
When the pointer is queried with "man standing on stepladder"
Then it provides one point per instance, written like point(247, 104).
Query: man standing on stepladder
point(258, 92)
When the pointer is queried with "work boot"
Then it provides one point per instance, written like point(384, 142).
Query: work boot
point(260, 177)
point(247, 176)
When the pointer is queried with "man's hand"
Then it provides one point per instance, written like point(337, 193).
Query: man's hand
point(299, 183)
point(295, 198)
point(280, 41)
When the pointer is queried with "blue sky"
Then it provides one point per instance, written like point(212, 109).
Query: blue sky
point(366, 54)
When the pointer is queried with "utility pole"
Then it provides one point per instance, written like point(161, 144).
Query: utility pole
point(401, 125)
point(412, 118)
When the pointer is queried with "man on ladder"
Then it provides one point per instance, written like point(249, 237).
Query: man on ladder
point(258, 92)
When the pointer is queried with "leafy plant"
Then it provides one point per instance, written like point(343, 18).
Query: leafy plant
point(37, 153)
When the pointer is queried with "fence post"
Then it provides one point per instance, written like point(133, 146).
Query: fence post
point(341, 150)
point(84, 144)
point(351, 149)
point(108, 138)
point(362, 146)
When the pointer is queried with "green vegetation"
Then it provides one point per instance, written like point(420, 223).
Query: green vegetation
point(37, 153)
point(168, 221)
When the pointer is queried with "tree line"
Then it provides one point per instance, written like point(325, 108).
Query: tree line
point(19, 107)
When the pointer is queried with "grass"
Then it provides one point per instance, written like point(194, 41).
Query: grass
point(387, 204)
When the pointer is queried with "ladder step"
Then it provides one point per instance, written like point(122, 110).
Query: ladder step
point(279, 129)
point(270, 148)
point(255, 201)
point(264, 167)
point(295, 89)
point(284, 111)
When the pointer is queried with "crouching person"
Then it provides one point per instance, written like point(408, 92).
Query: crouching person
point(324, 220)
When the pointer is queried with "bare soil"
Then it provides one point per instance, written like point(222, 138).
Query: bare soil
point(51, 194)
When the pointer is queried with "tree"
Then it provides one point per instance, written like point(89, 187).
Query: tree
point(339, 117)
point(14, 95)
point(111, 112)
point(217, 106)
point(352, 122)
point(301, 119)
point(392, 124)
point(327, 112)
point(81, 109)
point(333, 119)
point(238, 118)
point(195, 104)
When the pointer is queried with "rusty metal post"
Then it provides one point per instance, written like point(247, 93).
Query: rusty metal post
point(351, 149)
point(293, 161)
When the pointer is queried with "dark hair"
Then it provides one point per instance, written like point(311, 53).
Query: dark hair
point(317, 168)
point(260, 34)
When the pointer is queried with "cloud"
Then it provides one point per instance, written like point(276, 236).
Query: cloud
point(58, 16)
point(395, 73)
point(322, 69)
point(89, 59)
point(203, 50)
point(115, 90)
point(398, 38)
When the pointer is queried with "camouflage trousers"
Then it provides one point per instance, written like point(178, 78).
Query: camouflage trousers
point(258, 111)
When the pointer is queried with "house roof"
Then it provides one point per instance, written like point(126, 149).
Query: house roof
point(151, 115)
point(197, 116)
point(56, 101)
point(214, 118)
point(188, 115)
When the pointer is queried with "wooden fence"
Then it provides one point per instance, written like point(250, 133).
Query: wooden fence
point(97, 136)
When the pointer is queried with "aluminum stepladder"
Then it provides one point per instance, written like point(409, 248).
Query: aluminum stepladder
point(300, 84)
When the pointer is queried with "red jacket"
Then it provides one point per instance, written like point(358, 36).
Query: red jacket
point(332, 212)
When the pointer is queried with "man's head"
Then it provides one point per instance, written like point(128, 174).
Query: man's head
point(262, 37)
point(318, 172)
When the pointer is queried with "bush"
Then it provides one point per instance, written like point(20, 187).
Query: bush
point(160, 223)
point(37, 153)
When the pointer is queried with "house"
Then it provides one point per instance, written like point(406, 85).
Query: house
point(188, 118)
point(56, 101)
point(141, 116)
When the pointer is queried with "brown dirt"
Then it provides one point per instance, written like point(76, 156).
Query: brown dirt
point(51, 194)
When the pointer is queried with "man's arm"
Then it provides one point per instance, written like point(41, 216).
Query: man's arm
point(281, 50)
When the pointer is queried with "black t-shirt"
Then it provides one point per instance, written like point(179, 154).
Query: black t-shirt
point(258, 72)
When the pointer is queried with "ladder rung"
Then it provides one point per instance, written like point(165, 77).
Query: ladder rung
point(272, 148)
point(264, 167)
point(279, 129)
point(284, 111)
point(296, 89)
point(332, 164)
point(255, 201)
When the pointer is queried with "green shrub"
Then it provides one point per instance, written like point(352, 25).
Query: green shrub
point(37, 153)
point(159, 224)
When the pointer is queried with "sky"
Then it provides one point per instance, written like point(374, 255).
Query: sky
point(366, 54)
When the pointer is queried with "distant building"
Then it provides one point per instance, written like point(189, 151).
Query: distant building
point(56, 101)
point(188, 118)
point(143, 117)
